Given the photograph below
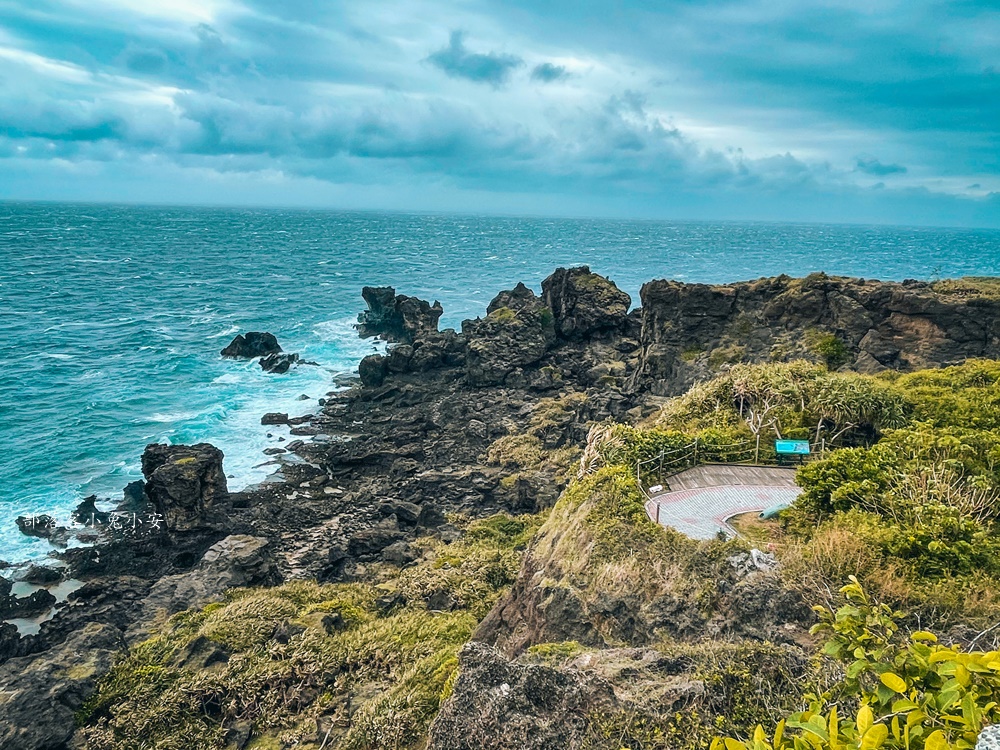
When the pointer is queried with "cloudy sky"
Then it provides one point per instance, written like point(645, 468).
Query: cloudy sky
point(876, 111)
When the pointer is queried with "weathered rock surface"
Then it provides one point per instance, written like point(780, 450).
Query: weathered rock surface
point(237, 560)
point(40, 526)
point(252, 344)
point(187, 486)
point(881, 325)
point(40, 694)
point(584, 303)
point(87, 513)
point(396, 318)
point(278, 363)
point(504, 705)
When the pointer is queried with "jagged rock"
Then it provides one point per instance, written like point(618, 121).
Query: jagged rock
point(274, 418)
point(396, 318)
point(88, 514)
point(881, 325)
point(399, 553)
point(252, 344)
point(40, 694)
point(187, 485)
point(10, 641)
point(278, 363)
point(237, 560)
point(517, 331)
point(40, 526)
point(503, 705)
point(373, 370)
point(37, 603)
point(404, 511)
point(133, 497)
point(584, 303)
point(371, 542)
point(41, 575)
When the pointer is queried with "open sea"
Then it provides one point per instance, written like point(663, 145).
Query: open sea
point(112, 317)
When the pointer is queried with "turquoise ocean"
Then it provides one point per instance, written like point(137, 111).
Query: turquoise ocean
point(112, 317)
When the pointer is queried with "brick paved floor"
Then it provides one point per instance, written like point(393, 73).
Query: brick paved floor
point(701, 512)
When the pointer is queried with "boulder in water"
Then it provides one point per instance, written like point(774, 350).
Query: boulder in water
point(252, 344)
point(278, 363)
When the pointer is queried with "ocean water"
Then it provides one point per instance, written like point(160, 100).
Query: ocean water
point(112, 317)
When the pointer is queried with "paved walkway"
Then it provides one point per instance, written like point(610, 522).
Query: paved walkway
point(700, 501)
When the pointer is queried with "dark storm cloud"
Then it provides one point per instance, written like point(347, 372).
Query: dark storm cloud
point(765, 103)
point(548, 72)
point(871, 165)
point(457, 61)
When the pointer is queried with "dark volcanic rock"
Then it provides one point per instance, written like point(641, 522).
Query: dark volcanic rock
point(373, 370)
point(881, 325)
point(274, 418)
point(396, 318)
point(133, 497)
point(237, 560)
point(39, 602)
point(40, 575)
point(41, 693)
point(278, 363)
point(504, 705)
point(252, 344)
point(87, 513)
point(517, 331)
point(187, 485)
point(40, 526)
point(584, 303)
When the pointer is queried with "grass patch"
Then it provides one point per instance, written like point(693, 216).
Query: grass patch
point(376, 678)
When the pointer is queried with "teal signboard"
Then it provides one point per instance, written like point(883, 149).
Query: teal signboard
point(795, 447)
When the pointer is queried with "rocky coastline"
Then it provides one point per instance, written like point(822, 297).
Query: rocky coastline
point(445, 428)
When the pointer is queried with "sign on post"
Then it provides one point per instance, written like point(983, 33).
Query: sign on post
point(791, 447)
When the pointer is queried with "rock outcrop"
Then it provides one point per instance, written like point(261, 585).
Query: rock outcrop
point(503, 705)
point(689, 331)
point(40, 694)
point(584, 303)
point(396, 318)
point(252, 344)
point(517, 331)
point(278, 363)
point(237, 560)
point(187, 486)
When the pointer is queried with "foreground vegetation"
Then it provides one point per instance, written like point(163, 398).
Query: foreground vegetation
point(898, 690)
point(906, 495)
point(903, 503)
point(341, 665)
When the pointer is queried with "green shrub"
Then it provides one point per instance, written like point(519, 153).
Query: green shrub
point(829, 347)
point(898, 690)
point(281, 668)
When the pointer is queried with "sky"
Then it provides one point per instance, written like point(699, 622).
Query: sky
point(880, 111)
